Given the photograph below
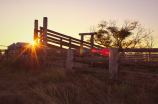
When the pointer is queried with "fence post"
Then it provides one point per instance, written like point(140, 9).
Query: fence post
point(82, 38)
point(36, 31)
point(69, 43)
point(113, 65)
point(92, 40)
point(69, 60)
point(149, 57)
point(41, 36)
point(61, 43)
point(45, 39)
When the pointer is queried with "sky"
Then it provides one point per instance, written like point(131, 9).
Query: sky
point(70, 17)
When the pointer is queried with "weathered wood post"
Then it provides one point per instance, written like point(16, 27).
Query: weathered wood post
point(41, 36)
point(82, 38)
point(45, 39)
point(149, 56)
point(36, 31)
point(92, 43)
point(61, 43)
point(92, 40)
point(113, 63)
point(69, 43)
point(69, 60)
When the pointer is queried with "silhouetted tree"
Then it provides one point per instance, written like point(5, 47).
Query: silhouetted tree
point(130, 35)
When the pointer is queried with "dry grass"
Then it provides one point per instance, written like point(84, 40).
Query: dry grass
point(55, 86)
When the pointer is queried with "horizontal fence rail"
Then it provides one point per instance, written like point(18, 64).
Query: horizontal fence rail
point(52, 37)
point(91, 59)
point(91, 69)
point(138, 74)
point(139, 50)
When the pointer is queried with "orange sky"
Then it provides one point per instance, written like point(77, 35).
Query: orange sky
point(70, 17)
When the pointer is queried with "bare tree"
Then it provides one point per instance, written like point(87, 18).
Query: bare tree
point(150, 41)
point(91, 29)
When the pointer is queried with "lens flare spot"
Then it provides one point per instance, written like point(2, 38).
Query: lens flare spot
point(81, 50)
point(93, 51)
point(103, 51)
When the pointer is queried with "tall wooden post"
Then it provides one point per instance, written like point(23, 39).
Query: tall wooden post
point(82, 38)
point(45, 31)
point(69, 61)
point(45, 39)
point(92, 40)
point(61, 43)
point(41, 36)
point(149, 56)
point(36, 31)
point(69, 43)
point(92, 43)
point(113, 63)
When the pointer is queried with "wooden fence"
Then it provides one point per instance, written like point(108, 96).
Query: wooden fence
point(114, 60)
point(49, 39)
point(139, 56)
point(52, 39)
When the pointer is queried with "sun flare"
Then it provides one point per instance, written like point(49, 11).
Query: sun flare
point(33, 43)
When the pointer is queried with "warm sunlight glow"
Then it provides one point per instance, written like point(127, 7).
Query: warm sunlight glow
point(33, 43)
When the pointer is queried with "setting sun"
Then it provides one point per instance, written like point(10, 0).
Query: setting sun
point(33, 43)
